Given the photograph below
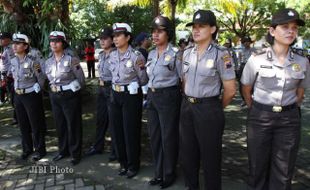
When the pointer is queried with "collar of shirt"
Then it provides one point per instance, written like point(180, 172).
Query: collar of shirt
point(126, 55)
point(54, 58)
point(208, 50)
point(288, 61)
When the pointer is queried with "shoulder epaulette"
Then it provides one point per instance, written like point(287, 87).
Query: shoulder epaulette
point(175, 49)
point(259, 52)
point(137, 52)
point(219, 47)
point(298, 52)
point(189, 47)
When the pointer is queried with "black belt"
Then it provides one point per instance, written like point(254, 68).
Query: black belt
point(194, 100)
point(276, 109)
point(105, 83)
point(159, 90)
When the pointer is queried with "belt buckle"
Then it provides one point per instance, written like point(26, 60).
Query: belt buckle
point(117, 88)
point(277, 109)
point(101, 83)
point(192, 100)
point(19, 91)
point(153, 89)
point(54, 88)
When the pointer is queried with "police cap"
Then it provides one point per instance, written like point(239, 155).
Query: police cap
point(203, 17)
point(4, 35)
point(287, 15)
point(161, 22)
point(20, 38)
point(106, 33)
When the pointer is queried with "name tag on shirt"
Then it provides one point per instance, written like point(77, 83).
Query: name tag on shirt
point(266, 66)
point(26, 65)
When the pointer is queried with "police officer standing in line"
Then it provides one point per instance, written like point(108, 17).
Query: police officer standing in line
point(242, 59)
point(104, 93)
point(28, 80)
point(278, 77)
point(66, 78)
point(205, 67)
point(7, 54)
point(128, 75)
point(164, 100)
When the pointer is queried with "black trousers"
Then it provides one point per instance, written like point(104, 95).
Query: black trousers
point(31, 121)
point(103, 122)
point(126, 122)
point(273, 140)
point(163, 123)
point(201, 130)
point(91, 68)
point(67, 112)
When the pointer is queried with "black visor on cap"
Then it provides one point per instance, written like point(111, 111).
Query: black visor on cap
point(284, 16)
point(203, 17)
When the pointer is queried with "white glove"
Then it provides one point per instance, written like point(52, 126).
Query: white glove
point(75, 86)
point(133, 88)
point(36, 87)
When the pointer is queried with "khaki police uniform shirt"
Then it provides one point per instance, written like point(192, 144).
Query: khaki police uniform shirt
point(125, 68)
point(104, 67)
point(65, 71)
point(276, 84)
point(203, 76)
point(6, 56)
point(26, 72)
point(164, 71)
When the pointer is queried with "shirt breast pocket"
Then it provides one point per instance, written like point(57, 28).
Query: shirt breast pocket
point(207, 72)
point(267, 79)
point(65, 69)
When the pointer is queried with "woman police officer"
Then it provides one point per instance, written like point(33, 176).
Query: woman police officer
point(164, 99)
point(128, 74)
point(205, 67)
point(278, 77)
point(28, 80)
point(66, 78)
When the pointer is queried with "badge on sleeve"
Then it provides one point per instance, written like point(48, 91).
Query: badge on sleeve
point(296, 67)
point(210, 63)
point(129, 63)
point(227, 61)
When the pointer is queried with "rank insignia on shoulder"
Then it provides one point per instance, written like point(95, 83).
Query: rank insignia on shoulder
point(137, 52)
point(296, 67)
point(175, 49)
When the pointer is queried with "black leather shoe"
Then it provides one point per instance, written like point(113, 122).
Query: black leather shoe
point(122, 171)
point(166, 183)
point(25, 155)
point(112, 158)
point(155, 181)
point(75, 161)
point(131, 173)
point(92, 151)
point(38, 156)
point(58, 157)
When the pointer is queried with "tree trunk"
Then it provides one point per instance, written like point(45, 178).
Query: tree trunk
point(173, 4)
point(155, 4)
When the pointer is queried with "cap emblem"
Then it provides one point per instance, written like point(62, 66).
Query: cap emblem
point(290, 13)
point(197, 16)
point(157, 21)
